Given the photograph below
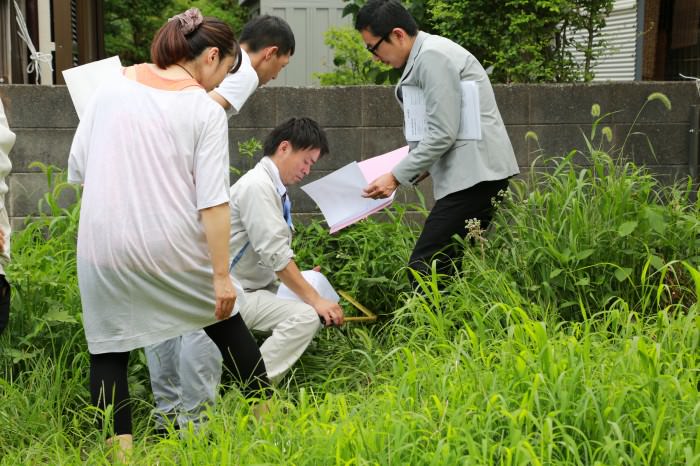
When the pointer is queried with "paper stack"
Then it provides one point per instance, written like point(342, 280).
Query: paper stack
point(84, 80)
point(339, 194)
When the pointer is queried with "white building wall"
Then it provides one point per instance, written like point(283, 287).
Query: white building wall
point(309, 20)
point(620, 32)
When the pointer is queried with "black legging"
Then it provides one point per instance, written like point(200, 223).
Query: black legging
point(242, 359)
point(5, 292)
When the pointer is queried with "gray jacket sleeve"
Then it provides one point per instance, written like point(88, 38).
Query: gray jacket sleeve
point(441, 85)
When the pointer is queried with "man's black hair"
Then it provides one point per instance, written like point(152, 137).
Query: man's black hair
point(268, 31)
point(302, 133)
point(380, 17)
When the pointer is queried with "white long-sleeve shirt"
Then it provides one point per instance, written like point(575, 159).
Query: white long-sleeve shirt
point(257, 218)
point(7, 140)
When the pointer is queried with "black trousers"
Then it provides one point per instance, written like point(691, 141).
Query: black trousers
point(448, 218)
point(4, 303)
point(242, 361)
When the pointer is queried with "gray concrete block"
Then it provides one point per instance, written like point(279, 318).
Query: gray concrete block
point(513, 102)
point(413, 194)
point(297, 102)
point(629, 98)
point(414, 219)
point(521, 146)
point(345, 147)
point(531, 176)
point(339, 106)
point(306, 218)
point(371, 124)
point(27, 195)
point(377, 141)
point(259, 110)
point(522, 177)
point(18, 223)
point(236, 136)
point(379, 107)
point(49, 146)
point(655, 144)
point(558, 141)
point(669, 174)
point(566, 103)
point(29, 106)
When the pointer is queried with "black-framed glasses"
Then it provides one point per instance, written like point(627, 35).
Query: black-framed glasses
point(373, 49)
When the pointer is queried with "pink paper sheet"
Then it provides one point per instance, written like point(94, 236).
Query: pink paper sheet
point(372, 169)
point(376, 166)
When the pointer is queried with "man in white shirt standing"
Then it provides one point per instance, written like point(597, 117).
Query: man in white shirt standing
point(186, 370)
point(268, 43)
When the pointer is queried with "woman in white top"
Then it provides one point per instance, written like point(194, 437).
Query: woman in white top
point(152, 154)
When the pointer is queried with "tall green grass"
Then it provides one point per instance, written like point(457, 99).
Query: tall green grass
point(368, 259)
point(584, 237)
point(571, 337)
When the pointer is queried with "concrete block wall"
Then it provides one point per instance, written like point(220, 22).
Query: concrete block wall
point(365, 121)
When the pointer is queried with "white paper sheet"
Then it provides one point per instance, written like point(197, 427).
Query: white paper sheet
point(83, 80)
point(318, 281)
point(339, 194)
point(414, 112)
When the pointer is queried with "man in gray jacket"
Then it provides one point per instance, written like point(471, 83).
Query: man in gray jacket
point(467, 174)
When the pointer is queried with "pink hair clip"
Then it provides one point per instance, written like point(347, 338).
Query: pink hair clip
point(189, 20)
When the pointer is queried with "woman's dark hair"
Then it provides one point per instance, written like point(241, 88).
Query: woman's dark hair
point(172, 45)
point(380, 17)
point(268, 31)
point(302, 133)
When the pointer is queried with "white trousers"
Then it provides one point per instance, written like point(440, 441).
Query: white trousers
point(185, 371)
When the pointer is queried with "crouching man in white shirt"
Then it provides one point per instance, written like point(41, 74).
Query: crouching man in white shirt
point(186, 371)
point(261, 236)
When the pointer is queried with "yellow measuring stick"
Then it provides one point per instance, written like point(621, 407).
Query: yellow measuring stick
point(369, 316)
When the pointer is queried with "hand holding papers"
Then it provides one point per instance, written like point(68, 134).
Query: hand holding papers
point(339, 194)
point(414, 112)
point(83, 80)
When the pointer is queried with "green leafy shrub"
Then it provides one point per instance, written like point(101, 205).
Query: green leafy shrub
point(247, 150)
point(46, 309)
point(353, 63)
point(368, 259)
point(527, 40)
point(582, 236)
point(523, 40)
point(130, 25)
